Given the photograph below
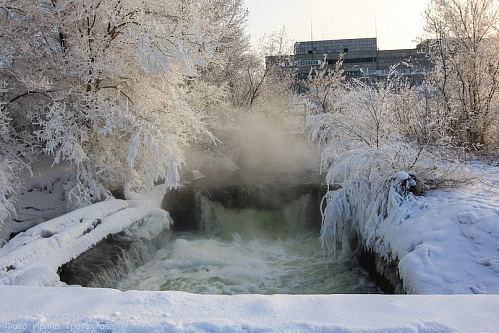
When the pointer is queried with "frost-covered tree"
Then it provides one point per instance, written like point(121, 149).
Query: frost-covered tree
point(233, 50)
point(250, 79)
point(258, 94)
point(10, 163)
point(274, 89)
point(463, 45)
point(375, 143)
point(114, 87)
point(18, 147)
point(324, 86)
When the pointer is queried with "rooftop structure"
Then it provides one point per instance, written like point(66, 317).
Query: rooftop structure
point(361, 57)
point(336, 46)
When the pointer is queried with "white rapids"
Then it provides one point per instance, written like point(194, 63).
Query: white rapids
point(203, 265)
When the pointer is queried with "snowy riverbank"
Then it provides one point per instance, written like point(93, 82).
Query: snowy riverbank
point(446, 242)
point(101, 310)
point(449, 245)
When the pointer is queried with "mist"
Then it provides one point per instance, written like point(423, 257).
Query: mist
point(259, 144)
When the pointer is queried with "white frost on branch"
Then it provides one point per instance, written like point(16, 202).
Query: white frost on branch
point(368, 149)
point(62, 134)
point(117, 88)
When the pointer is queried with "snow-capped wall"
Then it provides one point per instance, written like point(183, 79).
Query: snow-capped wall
point(101, 310)
point(34, 256)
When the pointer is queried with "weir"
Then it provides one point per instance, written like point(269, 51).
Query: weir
point(236, 232)
point(219, 205)
point(287, 196)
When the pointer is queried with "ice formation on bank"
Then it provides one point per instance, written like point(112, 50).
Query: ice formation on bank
point(442, 243)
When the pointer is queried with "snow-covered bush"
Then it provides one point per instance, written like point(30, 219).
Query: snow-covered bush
point(325, 87)
point(360, 207)
point(369, 137)
point(375, 129)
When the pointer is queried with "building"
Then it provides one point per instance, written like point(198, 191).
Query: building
point(361, 57)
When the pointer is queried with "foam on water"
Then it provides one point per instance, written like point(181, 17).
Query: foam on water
point(193, 263)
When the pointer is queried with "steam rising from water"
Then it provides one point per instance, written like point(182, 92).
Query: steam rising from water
point(270, 143)
point(272, 146)
point(251, 250)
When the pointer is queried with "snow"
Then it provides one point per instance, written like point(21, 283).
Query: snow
point(98, 310)
point(40, 198)
point(454, 245)
point(443, 243)
point(446, 244)
point(449, 242)
point(33, 257)
point(401, 175)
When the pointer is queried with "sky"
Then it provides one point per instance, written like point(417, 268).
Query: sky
point(396, 23)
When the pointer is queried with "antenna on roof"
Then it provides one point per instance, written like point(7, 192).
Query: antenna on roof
point(376, 39)
point(311, 36)
point(311, 29)
point(376, 26)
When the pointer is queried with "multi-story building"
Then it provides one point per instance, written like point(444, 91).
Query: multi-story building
point(361, 57)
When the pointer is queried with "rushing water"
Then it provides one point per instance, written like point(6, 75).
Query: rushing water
point(248, 251)
point(260, 266)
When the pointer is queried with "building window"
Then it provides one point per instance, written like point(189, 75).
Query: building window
point(309, 63)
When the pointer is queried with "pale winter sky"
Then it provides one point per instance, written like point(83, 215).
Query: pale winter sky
point(396, 23)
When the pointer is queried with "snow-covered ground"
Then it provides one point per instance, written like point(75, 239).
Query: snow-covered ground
point(450, 244)
point(41, 197)
point(25, 309)
point(454, 245)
